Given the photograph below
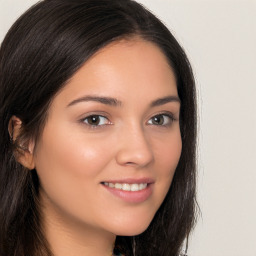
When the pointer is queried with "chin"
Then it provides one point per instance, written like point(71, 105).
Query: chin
point(131, 229)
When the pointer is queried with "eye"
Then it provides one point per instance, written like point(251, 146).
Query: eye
point(161, 119)
point(96, 120)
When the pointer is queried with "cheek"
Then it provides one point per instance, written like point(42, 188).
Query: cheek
point(167, 153)
point(73, 155)
point(69, 168)
point(167, 156)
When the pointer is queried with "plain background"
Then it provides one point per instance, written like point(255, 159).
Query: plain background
point(219, 37)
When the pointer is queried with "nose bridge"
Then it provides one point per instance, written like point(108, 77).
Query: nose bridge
point(134, 147)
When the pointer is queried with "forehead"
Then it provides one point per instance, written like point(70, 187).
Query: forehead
point(122, 68)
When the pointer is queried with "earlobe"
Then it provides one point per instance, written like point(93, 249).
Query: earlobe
point(23, 153)
point(26, 159)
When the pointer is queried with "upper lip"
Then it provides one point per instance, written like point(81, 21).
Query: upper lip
point(131, 180)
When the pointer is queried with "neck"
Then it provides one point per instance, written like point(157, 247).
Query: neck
point(68, 237)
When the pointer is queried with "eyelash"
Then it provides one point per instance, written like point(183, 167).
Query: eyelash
point(93, 126)
point(165, 115)
point(168, 115)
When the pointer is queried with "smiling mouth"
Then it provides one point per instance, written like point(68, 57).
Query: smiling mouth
point(126, 187)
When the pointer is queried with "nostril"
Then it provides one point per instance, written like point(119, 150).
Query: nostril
point(134, 158)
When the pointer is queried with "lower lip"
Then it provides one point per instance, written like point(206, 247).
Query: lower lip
point(132, 196)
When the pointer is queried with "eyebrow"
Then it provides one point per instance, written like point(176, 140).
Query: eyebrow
point(164, 100)
point(115, 102)
point(104, 100)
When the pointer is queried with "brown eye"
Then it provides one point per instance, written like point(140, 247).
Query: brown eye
point(161, 119)
point(96, 120)
point(158, 120)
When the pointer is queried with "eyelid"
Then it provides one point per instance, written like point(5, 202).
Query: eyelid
point(96, 126)
point(168, 114)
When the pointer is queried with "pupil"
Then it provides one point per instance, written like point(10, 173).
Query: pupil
point(158, 120)
point(94, 120)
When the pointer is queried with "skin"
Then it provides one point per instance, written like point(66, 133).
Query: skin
point(73, 157)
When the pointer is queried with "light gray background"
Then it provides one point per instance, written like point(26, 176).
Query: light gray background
point(219, 38)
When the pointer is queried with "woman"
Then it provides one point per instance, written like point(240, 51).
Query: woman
point(98, 133)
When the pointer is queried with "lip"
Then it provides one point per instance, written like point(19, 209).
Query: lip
point(131, 181)
point(131, 196)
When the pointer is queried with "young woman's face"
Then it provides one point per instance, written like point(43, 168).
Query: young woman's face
point(108, 152)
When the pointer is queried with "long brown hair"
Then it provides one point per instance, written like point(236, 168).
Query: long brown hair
point(41, 51)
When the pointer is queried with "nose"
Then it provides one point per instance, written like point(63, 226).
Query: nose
point(134, 148)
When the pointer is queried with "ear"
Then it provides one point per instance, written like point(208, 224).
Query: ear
point(23, 153)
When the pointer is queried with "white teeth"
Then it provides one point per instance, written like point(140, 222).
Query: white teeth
point(126, 186)
point(135, 187)
point(142, 186)
point(118, 186)
point(112, 185)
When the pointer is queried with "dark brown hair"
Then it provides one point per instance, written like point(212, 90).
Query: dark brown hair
point(41, 51)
